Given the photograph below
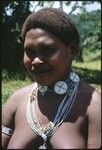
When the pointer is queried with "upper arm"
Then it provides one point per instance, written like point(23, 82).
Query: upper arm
point(8, 113)
point(10, 108)
point(94, 117)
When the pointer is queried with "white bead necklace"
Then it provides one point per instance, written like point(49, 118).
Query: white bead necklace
point(62, 112)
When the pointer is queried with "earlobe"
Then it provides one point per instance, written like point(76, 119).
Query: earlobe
point(72, 51)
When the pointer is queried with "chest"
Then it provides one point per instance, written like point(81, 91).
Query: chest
point(70, 134)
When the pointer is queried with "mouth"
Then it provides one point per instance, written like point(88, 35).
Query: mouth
point(41, 72)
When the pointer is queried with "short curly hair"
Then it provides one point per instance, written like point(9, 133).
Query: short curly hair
point(54, 21)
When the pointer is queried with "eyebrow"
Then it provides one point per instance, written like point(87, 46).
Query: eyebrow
point(42, 45)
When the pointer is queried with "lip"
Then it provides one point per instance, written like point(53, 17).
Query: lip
point(40, 73)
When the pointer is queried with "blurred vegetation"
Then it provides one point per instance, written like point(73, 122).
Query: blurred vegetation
point(13, 14)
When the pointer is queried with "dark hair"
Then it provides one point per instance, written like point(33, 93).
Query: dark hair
point(54, 21)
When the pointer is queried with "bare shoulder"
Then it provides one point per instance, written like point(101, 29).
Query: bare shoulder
point(10, 107)
point(18, 94)
point(95, 103)
point(23, 92)
point(91, 96)
point(89, 90)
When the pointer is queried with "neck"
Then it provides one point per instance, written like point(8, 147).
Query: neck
point(60, 87)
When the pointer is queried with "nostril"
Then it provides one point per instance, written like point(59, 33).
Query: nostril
point(37, 61)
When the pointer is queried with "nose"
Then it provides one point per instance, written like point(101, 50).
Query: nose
point(36, 61)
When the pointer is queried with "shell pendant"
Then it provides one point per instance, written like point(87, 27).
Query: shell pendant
point(44, 146)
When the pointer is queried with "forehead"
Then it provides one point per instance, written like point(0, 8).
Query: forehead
point(39, 36)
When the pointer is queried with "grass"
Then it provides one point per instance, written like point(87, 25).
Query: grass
point(89, 71)
point(92, 61)
point(95, 65)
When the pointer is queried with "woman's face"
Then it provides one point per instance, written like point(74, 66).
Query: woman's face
point(46, 58)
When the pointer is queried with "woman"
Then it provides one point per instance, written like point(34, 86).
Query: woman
point(58, 111)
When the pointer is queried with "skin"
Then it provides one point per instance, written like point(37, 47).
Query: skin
point(48, 60)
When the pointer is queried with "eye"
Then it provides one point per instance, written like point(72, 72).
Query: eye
point(30, 53)
point(48, 52)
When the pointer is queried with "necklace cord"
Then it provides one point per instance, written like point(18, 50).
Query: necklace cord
point(62, 112)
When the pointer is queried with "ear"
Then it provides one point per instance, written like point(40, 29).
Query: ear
point(72, 49)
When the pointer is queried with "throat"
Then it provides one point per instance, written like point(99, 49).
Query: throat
point(48, 105)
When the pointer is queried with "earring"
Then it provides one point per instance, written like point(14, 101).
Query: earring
point(74, 77)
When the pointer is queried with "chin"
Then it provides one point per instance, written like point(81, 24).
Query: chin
point(43, 79)
point(46, 79)
point(44, 82)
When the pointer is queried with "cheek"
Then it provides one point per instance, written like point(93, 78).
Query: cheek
point(27, 61)
point(62, 58)
point(61, 63)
